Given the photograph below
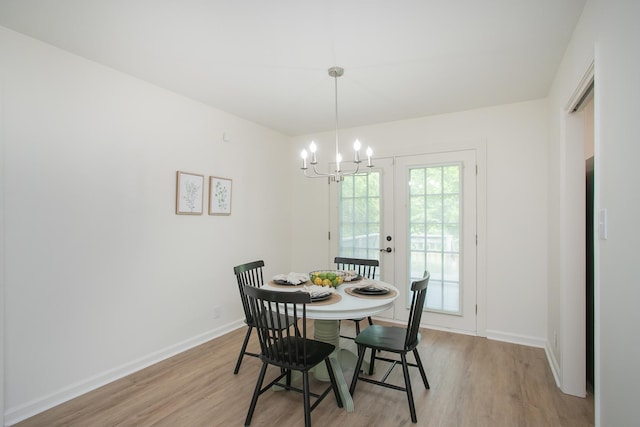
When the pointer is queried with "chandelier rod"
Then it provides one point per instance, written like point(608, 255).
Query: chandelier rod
point(336, 72)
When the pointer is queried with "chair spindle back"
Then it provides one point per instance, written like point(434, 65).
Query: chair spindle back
point(364, 267)
point(249, 274)
point(419, 294)
point(273, 312)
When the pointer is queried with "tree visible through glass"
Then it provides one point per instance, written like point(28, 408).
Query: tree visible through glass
point(359, 216)
point(434, 213)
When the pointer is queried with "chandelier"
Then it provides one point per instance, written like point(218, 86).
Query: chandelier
point(338, 174)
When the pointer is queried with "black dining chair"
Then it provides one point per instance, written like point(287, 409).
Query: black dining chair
point(287, 348)
point(249, 274)
point(395, 340)
point(365, 268)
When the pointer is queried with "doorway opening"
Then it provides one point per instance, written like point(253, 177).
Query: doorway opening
point(589, 149)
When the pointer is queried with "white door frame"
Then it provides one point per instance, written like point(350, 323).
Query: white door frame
point(480, 147)
point(572, 246)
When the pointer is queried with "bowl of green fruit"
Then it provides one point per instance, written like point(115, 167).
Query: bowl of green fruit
point(327, 277)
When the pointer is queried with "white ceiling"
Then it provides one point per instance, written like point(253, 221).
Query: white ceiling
point(267, 61)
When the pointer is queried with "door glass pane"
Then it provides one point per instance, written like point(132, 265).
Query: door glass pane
point(359, 205)
point(434, 233)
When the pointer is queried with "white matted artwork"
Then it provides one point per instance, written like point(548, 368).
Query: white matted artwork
point(219, 196)
point(189, 193)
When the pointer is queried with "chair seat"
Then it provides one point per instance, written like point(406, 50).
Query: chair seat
point(291, 348)
point(387, 338)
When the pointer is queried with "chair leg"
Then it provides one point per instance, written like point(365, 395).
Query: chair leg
point(421, 368)
point(243, 350)
point(256, 393)
point(372, 361)
point(343, 336)
point(370, 324)
point(357, 322)
point(356, 371)
point(297, 330)
point(307, 403)
point(370, 320)
point(407, 381)
point(334, 383)
point(288, 378)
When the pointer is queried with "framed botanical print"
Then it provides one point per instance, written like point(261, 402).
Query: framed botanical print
point(219, 196)
point(189, 193)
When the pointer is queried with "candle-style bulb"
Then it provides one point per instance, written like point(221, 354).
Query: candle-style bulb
point(356, 145)
point(313, 148)
point(338, 160)
point(369, 154)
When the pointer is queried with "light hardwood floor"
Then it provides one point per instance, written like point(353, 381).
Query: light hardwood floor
point(474, 382)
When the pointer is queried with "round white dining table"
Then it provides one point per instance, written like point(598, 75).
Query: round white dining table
point(327, 325)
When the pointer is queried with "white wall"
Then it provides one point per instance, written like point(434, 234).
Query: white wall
point(101, 277)
point(516, 146)
point(2, 245)
point(607, 34)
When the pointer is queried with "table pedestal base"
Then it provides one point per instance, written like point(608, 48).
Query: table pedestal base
point(329, 331)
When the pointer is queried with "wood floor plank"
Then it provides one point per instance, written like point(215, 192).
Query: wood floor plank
point(474, 382)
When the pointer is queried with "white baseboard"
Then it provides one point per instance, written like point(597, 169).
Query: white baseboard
point(553, 363)
point(531, 342)
point(426, 326)
point(506, 337)
point(490, 334)
point(452, 330)
point(516, 338)
point(36, 406)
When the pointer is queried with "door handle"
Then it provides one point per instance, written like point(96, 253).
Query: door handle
point(388, 249)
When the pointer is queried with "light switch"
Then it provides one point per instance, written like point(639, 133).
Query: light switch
point(602, 224)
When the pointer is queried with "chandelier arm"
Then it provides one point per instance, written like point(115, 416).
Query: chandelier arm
point(313, 176)
point(317, 174)
point(351, 172)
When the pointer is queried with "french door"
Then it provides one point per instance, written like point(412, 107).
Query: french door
point(361, 219)
point(435, 206)
point(415, 213)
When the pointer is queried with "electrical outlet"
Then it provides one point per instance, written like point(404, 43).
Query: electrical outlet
point(216, 312)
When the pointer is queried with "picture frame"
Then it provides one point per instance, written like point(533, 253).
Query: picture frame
point(220, 190)
point(189, 193)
